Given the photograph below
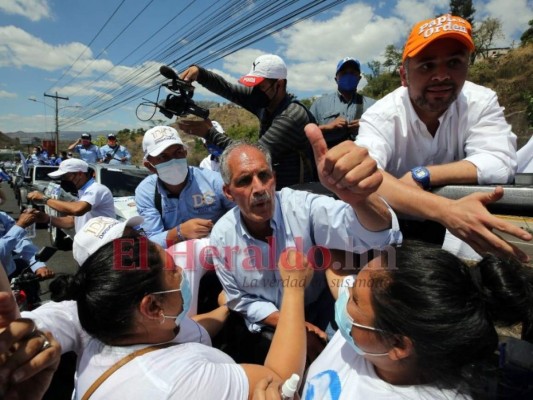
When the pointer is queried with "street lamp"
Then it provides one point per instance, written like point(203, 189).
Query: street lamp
point(57, 108)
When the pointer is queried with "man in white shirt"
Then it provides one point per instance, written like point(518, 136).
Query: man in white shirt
point(439, 129)
point(94, 199)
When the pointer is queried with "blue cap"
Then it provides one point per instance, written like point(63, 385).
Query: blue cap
point(347, 60)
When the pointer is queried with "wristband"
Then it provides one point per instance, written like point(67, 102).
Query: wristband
point(181, 238)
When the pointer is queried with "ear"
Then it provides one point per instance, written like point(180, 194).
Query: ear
point(150, 307)
point(227, 192)
point(403, 76)
point(402, 348)
point(149, 166)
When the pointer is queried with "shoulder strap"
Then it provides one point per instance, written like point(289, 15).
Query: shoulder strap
point(96, 384)
point(157, 200)
point(359, 106)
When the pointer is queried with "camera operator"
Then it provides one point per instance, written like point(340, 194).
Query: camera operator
point(264, 93)
point(94, 199)
point(16, 251)
point(113, 153)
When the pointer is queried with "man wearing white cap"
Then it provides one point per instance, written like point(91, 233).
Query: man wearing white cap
point(178, 202)
point(263, 92)
point(94, 199)
point(337, 114)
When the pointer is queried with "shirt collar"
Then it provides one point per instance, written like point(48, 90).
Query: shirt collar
point(87, 184)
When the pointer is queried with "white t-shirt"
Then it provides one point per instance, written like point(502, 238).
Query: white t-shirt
point(184, 371)
point(101, 200)
point(208, 163)
point(473, 128)
point(189, 256)
point(339, 373)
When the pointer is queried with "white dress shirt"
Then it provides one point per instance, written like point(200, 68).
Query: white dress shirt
point(473, 128)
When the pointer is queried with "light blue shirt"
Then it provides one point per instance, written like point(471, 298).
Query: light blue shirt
point(13, 244)
point(89, 155)
point(247, 267)
point(121, 153)
point(202, 197)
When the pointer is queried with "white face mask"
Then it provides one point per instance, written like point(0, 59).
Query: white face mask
point(172, 171)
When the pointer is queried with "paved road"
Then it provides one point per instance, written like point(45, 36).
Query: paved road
point(61, 261)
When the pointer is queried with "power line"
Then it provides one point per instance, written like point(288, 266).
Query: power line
point(88, 46)
point(224, 31)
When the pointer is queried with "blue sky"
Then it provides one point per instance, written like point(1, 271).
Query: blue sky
point(40, 41)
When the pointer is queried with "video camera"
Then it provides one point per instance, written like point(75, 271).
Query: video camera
point(179, 102)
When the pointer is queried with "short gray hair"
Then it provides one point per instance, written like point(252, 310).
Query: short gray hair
point(224, 168)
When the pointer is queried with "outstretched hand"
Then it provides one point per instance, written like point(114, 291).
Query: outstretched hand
point(346, 169)
point(469, 220)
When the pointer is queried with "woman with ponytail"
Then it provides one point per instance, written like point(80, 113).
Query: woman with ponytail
point(419, 324)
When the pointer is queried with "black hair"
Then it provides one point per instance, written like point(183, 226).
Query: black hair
point(449, 310)
point(110, 284)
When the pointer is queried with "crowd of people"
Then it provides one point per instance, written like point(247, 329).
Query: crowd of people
point(315, 285)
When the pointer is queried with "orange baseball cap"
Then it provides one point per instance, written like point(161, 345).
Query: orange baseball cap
point(445, 26)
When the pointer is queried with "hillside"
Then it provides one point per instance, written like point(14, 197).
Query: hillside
point(510, 77)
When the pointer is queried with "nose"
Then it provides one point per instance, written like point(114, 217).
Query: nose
point(441, 73)
point(258, 186)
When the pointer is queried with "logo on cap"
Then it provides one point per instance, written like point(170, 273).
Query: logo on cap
point(99, 227)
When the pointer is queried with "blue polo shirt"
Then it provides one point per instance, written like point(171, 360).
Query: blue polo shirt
point(202, 197)
point(90, 154)
point(13, 244)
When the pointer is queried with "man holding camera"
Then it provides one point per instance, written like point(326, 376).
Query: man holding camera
point(113, 153)
point(263, 92)
point(94, 199)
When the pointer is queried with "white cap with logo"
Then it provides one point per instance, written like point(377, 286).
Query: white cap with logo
point(159, 138)
point(98, 232)
point(267, 66)
point(70, 165)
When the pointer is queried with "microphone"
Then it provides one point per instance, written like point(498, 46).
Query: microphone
point(168, 72)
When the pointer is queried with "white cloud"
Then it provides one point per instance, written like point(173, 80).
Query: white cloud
point(513, 14)
point(18, 48)
point(412, 11)
point(34, 10)
point(313, 47)
point(7, 95)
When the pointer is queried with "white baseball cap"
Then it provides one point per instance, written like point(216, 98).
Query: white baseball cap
point(267, 66)
point(98, 232)
point(70, 165)
point(159, 138)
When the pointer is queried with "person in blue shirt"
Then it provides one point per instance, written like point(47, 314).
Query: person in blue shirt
point(178, 202)
point(113, 153)
point(38, 156)
point(337, 114)
point(246, 241)
point(88, 151)
point(16, 251)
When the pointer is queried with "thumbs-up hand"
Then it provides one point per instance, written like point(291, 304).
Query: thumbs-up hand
point(346, 169)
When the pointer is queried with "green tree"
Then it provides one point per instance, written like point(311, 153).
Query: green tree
point(485, 35)
point(463, 9)
point(375, 69)
point(527, 36)
point(393, 58)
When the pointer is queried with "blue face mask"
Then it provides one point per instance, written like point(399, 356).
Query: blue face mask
point(185, 289)
point(345, 323)
point(347, 82)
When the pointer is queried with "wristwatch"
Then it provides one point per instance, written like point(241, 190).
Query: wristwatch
point(422, 176)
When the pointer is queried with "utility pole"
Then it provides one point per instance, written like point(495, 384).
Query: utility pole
point(56, 97)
